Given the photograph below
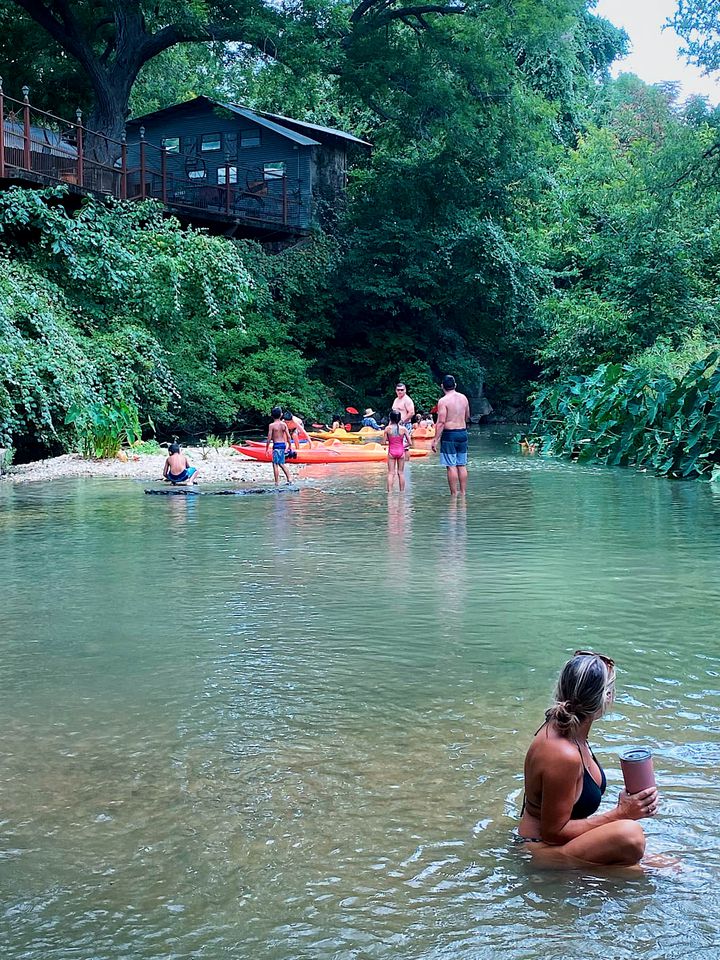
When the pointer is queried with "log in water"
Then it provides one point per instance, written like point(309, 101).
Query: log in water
point(194, 491)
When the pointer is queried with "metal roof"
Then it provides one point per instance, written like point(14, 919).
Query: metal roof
point(330, 131)
point(42, 140)
point(271, 121)
point(270, 124)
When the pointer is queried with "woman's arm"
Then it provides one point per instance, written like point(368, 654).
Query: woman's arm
point(559, 786)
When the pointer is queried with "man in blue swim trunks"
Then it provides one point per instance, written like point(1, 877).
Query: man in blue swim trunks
point(451, 435)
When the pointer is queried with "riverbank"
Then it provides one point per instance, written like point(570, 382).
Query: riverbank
point(223, 465)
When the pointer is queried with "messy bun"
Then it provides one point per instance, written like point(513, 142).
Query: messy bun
point(580, 694)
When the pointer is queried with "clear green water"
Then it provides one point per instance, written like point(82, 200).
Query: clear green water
point(293, 726)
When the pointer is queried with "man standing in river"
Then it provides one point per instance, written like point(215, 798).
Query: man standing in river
point(451, 434)
point(406, 408)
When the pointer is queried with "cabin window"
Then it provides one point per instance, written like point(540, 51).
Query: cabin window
point(250, 137)
point(232, 175)
point(199, 173)
point(210, 141)
point(172, 144)
point(274, 169)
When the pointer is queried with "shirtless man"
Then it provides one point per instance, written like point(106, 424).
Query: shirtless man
point(451, 434)
point(406, 408)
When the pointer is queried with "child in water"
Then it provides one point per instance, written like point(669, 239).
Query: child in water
point(279, 437)
point(177, 469)
point(394, 438)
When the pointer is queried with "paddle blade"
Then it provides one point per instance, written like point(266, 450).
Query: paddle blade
point(434, 409)
point(348, 427)
point(351, 410)
point(318, 426)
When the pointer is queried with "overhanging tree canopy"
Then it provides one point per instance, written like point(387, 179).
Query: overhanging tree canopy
point(111, 40)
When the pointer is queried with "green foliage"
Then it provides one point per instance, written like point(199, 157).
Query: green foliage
point(698, 23)
point(102, 429)
point(147, 447)
point(626, 416)
point(630, 234)
point(117, 303)
point(217, 443)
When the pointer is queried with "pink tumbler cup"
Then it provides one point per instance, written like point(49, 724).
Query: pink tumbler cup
point(637, 769)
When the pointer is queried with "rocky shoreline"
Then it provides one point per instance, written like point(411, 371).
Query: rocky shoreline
point(223, 465)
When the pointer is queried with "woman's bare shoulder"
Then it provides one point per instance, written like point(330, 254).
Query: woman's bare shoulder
point(560, 749)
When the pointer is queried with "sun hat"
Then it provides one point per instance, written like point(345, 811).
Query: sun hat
point(369, 412)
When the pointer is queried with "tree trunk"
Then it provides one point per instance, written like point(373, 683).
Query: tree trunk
point(108, 113)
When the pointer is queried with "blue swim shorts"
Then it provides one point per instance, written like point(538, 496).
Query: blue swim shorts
point(453, 448)
point(278, 454)
point(181, 477)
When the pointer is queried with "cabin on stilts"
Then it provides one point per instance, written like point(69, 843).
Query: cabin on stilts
point(233, 170)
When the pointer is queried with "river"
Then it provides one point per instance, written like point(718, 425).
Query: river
point(293, 726)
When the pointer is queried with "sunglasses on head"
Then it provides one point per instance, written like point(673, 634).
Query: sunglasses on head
point(608, 661)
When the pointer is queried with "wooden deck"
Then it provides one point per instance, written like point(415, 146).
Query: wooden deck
point(40, 149)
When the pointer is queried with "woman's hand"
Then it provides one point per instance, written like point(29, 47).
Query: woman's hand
point(637, 806)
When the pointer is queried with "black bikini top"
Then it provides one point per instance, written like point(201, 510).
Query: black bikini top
point(592, 792)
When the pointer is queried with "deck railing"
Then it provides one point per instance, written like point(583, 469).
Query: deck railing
point(50, 148)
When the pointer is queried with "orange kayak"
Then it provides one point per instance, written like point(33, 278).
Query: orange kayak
point(332, 451)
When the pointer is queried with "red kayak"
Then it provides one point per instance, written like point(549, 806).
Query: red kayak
point(332, 451)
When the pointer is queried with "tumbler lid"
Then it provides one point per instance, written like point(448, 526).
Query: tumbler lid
point(636, 754)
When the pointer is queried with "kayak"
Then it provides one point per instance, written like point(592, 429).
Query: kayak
point(424, 433)
point(342, 435)
point(332, 451)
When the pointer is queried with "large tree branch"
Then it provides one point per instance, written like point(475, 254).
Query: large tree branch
point(379, 12)
point(207, 33)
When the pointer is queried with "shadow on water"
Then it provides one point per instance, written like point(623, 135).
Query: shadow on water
point(287, 727)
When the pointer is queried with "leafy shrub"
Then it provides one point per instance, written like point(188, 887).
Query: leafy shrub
point(102, 429)
point(625, 416)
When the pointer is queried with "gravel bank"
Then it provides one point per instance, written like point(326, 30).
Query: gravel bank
point(221, 466)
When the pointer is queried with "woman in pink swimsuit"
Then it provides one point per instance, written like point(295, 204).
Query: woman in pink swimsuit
point(395, 437)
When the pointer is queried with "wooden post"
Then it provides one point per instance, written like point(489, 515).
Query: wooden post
point(26, 129)
point(80, 153)
point(285, 200)
point(123, 166)
point(227, 184)
point(142, 162)
point(2, 131)
point(163, 171)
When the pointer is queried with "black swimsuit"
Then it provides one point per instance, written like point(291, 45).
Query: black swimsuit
point(590, 795)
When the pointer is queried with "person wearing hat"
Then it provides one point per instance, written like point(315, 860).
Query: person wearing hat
point(369, 419)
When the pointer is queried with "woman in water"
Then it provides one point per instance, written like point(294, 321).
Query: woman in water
point(394, 438)
point(564, 783)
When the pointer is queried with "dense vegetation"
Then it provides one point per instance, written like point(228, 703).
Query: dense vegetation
point(522, 219)
point(118, 309)
point(627, 416)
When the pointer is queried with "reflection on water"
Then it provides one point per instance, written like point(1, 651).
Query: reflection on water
point(294, 726)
